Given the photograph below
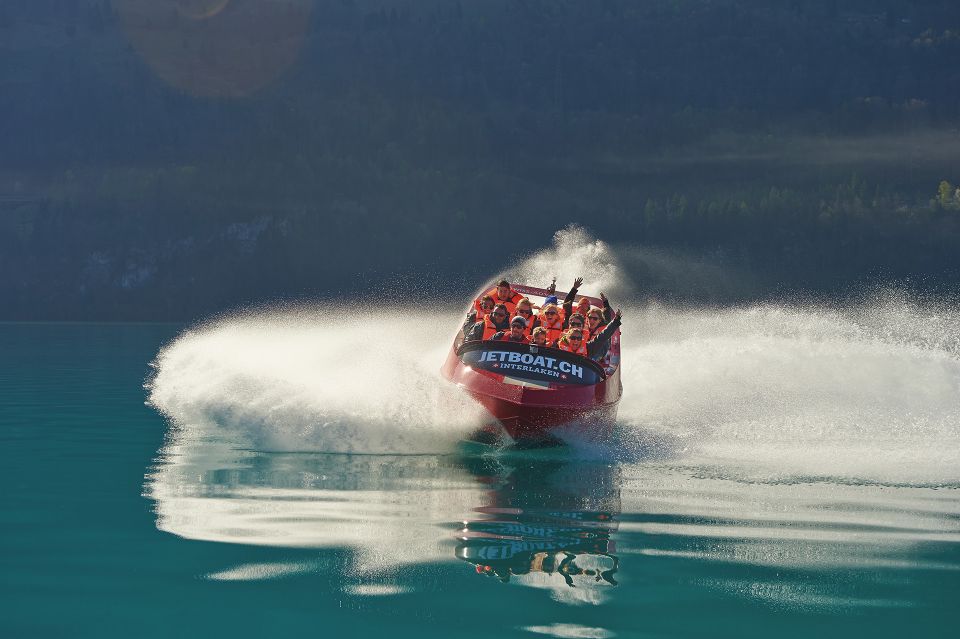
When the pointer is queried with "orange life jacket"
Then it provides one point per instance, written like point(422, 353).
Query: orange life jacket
point(528, 331)
point(554, 328)
point(490, 329)
point(564, 345)
point(510, 302)
point(482, 314)
point(583, 309)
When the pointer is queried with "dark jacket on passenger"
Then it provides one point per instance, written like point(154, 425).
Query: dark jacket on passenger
point(475, 333)
point(568, 308)
point(468, 324)
point(607, 312)
point(598, 346)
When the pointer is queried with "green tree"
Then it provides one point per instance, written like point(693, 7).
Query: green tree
point(945, 195)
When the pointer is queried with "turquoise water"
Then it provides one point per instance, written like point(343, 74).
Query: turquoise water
point(257, 496)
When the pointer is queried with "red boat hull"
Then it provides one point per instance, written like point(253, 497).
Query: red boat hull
point(534, 414)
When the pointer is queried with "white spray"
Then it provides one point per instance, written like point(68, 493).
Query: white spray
point(863, 391)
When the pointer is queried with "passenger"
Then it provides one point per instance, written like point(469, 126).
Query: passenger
point(502, 294)
point(486, 305)
point(574, 342)
point(596, 321)
point(598, 346)
point(611, 359)
point(539, 336)
point(474, 316)
point(552, 320)
point(579, 321)
point(517, 332)
point(497, 320)
point(525, 310)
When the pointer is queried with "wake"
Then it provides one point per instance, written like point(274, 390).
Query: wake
point(775, 391)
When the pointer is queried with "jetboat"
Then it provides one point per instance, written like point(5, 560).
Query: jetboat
point(537, 394)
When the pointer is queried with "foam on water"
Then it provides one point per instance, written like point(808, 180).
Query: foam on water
point(867, 391)
point(329, 380)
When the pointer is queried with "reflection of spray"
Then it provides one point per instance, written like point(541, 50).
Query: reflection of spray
point(385, 509)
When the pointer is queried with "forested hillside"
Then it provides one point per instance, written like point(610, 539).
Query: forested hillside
point(169, 158)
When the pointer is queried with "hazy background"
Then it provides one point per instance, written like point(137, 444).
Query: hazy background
point(165, 159)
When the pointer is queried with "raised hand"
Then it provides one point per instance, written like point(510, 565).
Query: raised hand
point(603, 298)
point(619, 314)
point(577, 282)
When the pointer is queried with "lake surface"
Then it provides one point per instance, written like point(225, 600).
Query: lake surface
point(249, 506)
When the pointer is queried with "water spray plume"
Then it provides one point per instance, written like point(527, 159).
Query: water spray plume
point(864, 391)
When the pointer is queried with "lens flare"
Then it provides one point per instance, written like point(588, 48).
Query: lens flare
point(216, 48)
point(201, 9)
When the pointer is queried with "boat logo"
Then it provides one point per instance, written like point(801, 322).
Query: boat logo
point(539, 364)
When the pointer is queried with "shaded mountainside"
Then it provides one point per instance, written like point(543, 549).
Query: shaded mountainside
point(166, 159)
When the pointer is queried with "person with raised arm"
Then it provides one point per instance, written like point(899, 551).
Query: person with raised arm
point(573, 341)
point(572, 295)
point(599, 344)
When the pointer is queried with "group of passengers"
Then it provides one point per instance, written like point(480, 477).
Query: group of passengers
point(585, 330)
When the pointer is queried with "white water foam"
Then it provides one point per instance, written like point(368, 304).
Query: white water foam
point(332, 380)
point(868, 391)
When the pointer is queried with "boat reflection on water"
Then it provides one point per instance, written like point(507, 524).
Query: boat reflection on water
point(547, 524)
